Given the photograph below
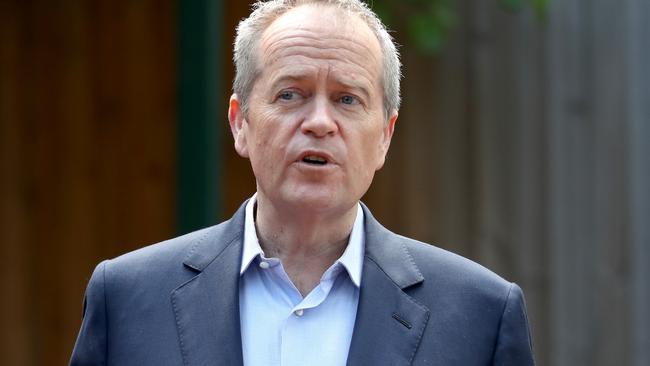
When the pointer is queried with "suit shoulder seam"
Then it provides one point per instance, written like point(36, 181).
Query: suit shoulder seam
point(503, 310)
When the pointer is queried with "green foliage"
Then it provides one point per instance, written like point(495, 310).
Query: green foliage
point(429, 27)
point(538, 6)
point(428, 22)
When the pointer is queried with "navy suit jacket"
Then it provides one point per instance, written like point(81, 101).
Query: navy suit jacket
point(176, 303)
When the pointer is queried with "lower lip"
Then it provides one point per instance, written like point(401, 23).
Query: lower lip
point(315, 167)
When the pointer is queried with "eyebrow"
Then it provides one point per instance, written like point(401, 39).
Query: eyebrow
point(354, 86)
point(288, 77)
point(300, 77)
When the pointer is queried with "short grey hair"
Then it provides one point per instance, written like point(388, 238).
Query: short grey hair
point(249, 32)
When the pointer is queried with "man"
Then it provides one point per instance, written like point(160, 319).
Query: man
point(303, 274)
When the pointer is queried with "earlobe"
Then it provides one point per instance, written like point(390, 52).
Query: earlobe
point(238, 126)
point(389, 129)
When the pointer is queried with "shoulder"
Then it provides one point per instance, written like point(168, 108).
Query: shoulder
point(450, 276)
point(437, 264)
point(427, 264)
point(164, 266)
point(159, 256)
point(170, 248)
point(152, 271)
point(434, 275)
point(470, 304)
point(194, 250)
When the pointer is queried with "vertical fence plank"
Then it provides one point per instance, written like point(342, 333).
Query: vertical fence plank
point(14, 334)
point(198, 197)
point(558, 120)
point(571, 175)
point(508, 125)
point(638, 174)
point(84, 87)
point(610, 120)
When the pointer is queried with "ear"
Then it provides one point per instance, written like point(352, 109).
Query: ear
point(387, 136)
point(238, 126)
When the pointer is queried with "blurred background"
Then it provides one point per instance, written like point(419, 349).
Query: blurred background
point(523, 143)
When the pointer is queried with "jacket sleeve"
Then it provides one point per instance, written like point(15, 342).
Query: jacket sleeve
point(90, 348)
point(514, 345)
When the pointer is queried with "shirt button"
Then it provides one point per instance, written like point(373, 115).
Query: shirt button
point(264, 265)
point(299, 312)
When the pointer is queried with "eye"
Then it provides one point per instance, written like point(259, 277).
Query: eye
point(349, 100)
point(287, 95)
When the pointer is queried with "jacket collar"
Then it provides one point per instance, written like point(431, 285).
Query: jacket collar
point(389, 322)
point(206, 307)
point(387, 250)
point(215, 241)
point(351, 259)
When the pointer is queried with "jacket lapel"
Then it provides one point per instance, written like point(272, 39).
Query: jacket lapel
point(389, 322)
point(207, 307)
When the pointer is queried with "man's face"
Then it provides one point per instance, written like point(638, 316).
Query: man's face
point(315, 131)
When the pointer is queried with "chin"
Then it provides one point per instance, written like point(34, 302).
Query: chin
point(317, 202)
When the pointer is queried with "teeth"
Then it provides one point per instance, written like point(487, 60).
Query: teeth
point(315, 159)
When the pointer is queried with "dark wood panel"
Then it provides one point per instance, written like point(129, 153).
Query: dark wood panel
point(523, 146)
point(14, 312)
point(88, 156)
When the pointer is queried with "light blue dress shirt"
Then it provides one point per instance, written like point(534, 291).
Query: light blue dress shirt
point(279, 326)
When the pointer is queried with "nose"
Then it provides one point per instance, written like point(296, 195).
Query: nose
point(320, 121)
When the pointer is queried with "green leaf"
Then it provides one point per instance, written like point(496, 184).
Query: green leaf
point(429, 21)
point(426, 32)
point(540, 7)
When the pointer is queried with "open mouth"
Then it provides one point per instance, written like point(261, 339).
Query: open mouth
point(314, 160)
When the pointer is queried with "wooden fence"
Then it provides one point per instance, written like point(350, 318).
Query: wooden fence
point(524, 145)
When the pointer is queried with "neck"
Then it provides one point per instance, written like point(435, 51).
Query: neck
point(307, 243)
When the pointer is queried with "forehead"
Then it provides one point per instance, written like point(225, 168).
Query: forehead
point(325, 34)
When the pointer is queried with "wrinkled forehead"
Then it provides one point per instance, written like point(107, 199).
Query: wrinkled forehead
point(318, 17)
point(322, 27)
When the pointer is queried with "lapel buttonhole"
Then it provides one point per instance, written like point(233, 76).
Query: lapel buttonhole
point(402, 321)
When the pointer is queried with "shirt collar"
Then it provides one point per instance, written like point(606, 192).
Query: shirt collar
point(351, 259)
point(251, 244)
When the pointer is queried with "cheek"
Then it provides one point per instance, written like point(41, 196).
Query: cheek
point(269, 145)
point(364, 156)
point(263, 136)
point(274, 125)
point(373, 144)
